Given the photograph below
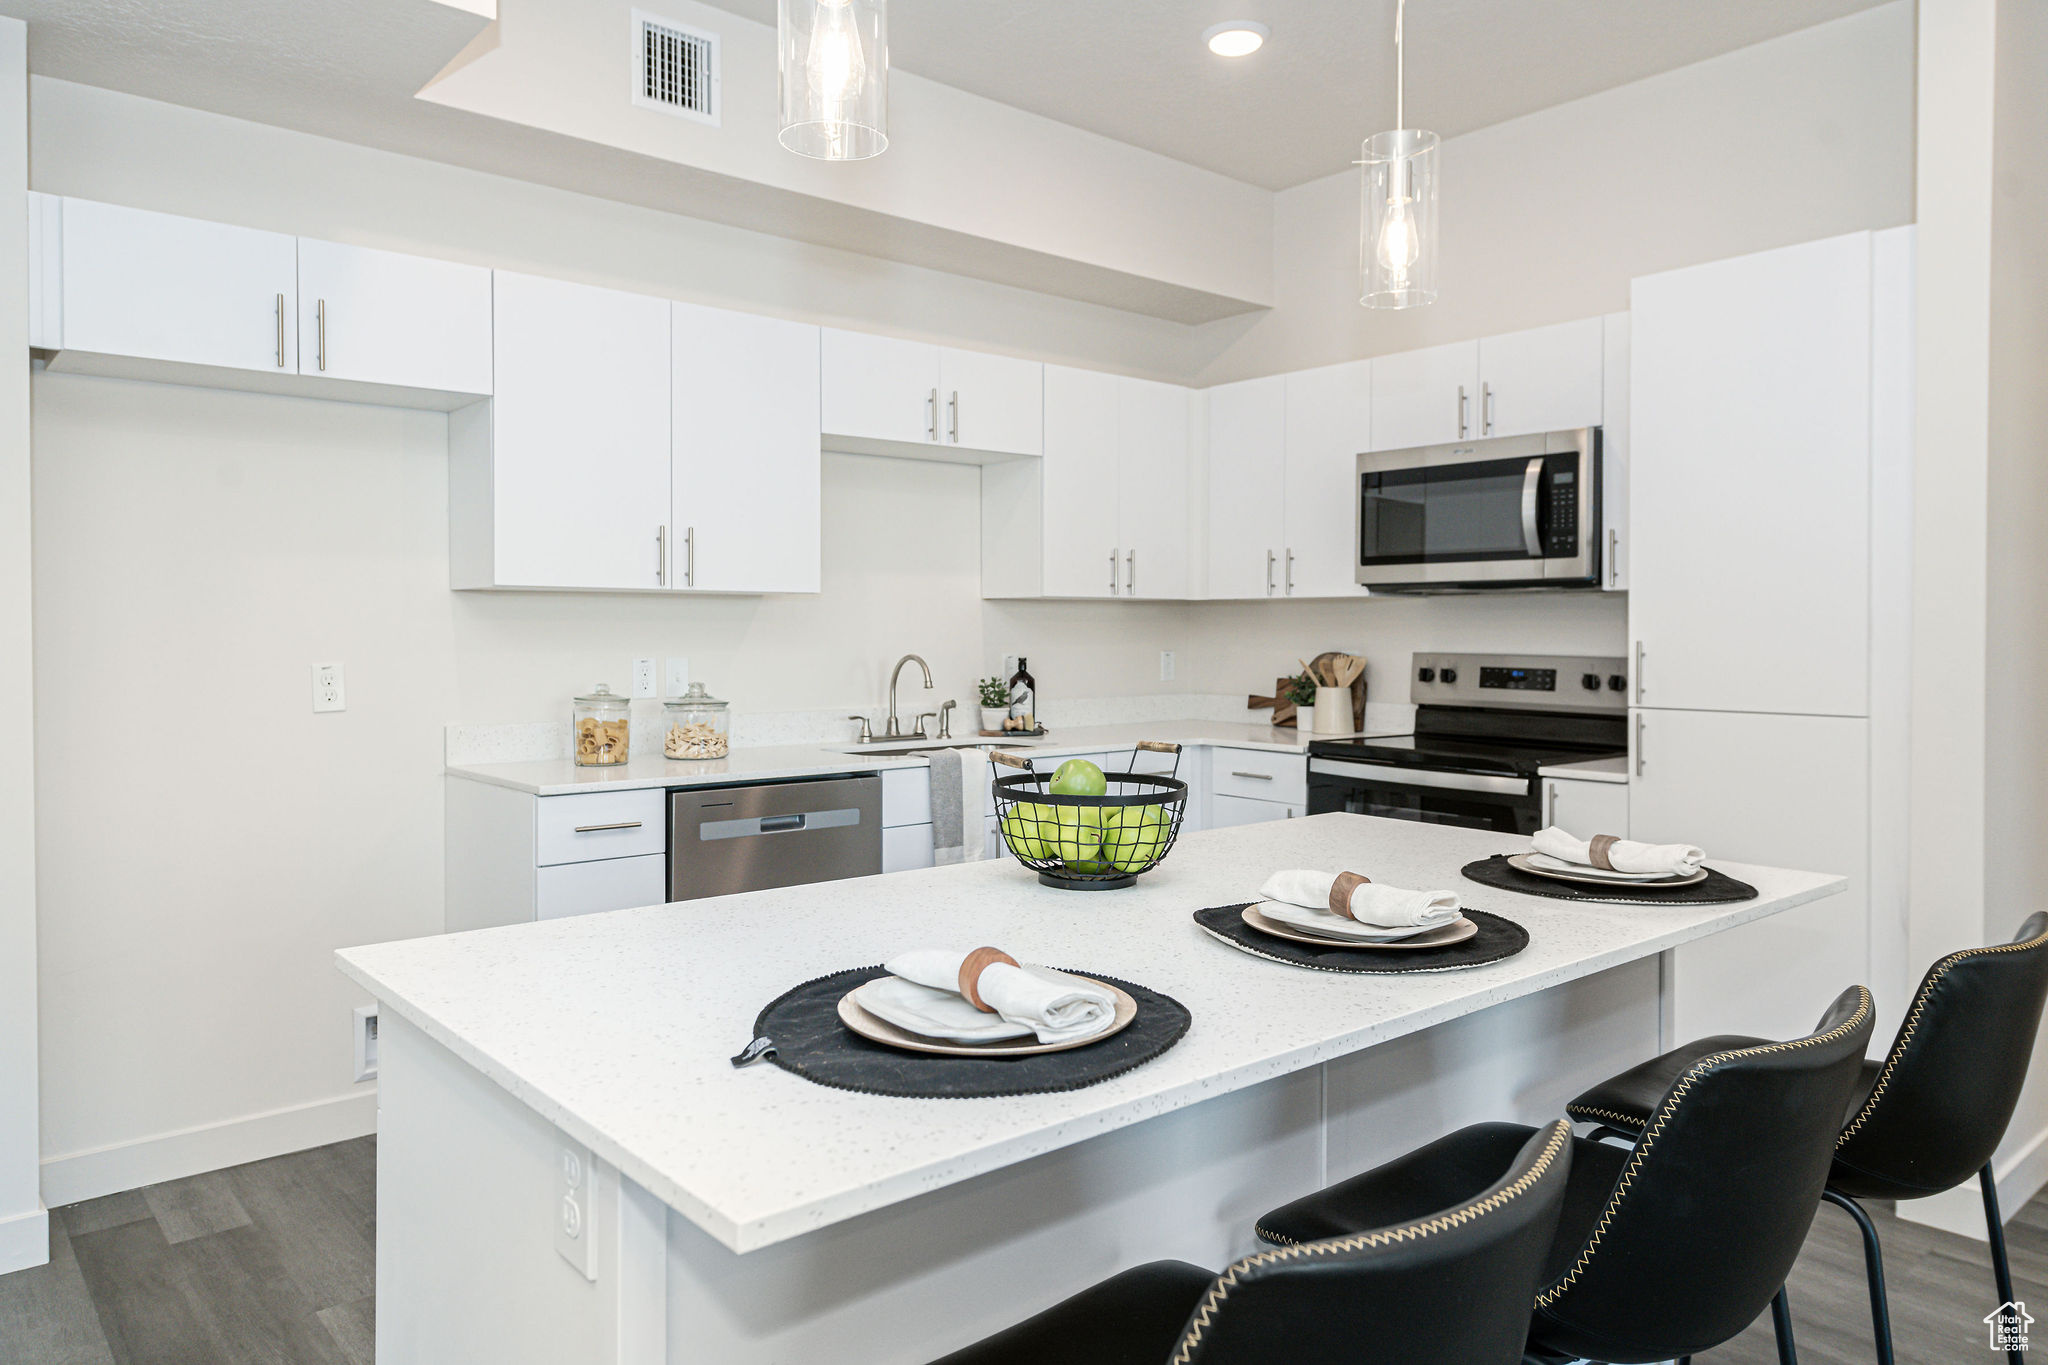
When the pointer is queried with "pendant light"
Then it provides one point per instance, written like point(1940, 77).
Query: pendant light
point(833, 57)
point(1397, 205)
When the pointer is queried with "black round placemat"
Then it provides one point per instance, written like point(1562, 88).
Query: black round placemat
point(811, 1041)
point(1496, 872)
point(1498, 937)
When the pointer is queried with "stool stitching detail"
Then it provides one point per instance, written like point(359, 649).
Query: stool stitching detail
point(1905, 1040)
point(1590, 1113)
point(1191, 1339)
point(1701, 1068)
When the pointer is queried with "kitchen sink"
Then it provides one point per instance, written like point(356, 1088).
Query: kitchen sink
point(897, 749)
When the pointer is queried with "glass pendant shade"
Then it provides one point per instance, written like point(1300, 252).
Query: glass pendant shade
point(834, 62)
point(1397, 220)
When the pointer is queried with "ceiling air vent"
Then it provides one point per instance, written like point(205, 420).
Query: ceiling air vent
point(677, 68)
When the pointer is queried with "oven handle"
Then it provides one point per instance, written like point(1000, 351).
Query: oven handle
point(1392, 775)
point(1532, 483)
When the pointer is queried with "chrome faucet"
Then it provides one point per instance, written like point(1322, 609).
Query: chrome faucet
point(894, 730)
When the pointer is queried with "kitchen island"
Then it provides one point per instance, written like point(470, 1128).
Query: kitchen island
point(751, 1216)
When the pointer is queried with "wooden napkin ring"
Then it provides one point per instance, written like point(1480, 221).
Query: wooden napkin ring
point(1340, 892)
point(971, 968)
point(1596, 850)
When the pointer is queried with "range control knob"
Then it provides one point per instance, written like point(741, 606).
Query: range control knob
point(1591, 682)
point(1617, 683)
point(1427, 675)
point(1450, 675)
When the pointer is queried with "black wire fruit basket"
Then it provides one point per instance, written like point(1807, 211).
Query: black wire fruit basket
point(1090, 843)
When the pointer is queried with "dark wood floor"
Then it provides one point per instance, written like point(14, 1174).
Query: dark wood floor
point(272, 1264)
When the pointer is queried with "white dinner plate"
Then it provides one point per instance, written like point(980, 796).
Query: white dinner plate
point(1543, 865)
point(1457, 931)
point(1017, 1041)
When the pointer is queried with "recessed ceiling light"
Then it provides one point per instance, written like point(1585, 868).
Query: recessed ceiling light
point(1236, 38)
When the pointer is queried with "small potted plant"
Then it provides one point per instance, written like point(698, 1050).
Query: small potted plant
point(995, 704)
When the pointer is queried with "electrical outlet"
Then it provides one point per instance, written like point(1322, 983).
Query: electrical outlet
point(678, 677)
point(643, 678)
point(1166, 665)
point(329, 693)
point(1009, 667)
point(573, 1205)
point(366, 1042)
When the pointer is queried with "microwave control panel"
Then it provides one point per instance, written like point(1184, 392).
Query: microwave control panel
point(1561, 520)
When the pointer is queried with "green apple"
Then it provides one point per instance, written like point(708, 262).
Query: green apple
point(1077, 838)
point(1133, 836)
point(1079, 777)
point(1028, 829)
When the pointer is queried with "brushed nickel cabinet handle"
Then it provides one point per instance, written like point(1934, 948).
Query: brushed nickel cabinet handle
point(1639, 671)
point(1486, 408)
point(1464, 414)
point(280, 331)
point(1114, 586)
point(661, 556)
point(1639, 745)
point(1131, 574)
point(320, 333)
point(594, 829)
point(931, 416)
point(1256, 777)
point(689, 556)
point(953, 417)
point(1290, 572)
point(1613, 564)
point(1269, 573)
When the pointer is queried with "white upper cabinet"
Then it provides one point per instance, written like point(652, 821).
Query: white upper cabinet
point(562, 480)
point(746, 473)
point(880, 388)
point(1082, 548)
point(1425, 398)
point(1614, 448)
point(991, 402)
point(1328, 423)
point(1544, 379)
point(1247, 487)
point(1152, 487)
point(154, 286)
point(883, 395)
point(1749, 482)
point(383, 317)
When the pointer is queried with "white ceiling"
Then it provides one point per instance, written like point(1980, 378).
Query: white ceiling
point(1136, 70)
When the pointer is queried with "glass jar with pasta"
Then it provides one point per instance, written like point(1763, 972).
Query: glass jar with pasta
point(603, 720)
point(696, 725)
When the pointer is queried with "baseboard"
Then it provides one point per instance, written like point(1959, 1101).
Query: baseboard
point(190, 1151)
point(2021, 1176)
point(24, 1241)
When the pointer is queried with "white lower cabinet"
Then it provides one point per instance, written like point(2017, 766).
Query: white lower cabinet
point(1225, 811)
point(1786, 791)
point(1586, 808)
point(906, 847)
point(907, 835)
point(613, 884)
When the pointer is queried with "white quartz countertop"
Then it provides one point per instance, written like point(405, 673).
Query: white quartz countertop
point(1613, 769)
point(618, 1028)
point(560, 777)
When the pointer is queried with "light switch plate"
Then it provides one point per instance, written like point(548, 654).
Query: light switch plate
point(1166, 665)
point(330, 691)
point(678, 677)
point(366, 1042)
point(643, 678)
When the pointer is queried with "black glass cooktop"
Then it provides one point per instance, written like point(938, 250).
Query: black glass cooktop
point(1463, 739)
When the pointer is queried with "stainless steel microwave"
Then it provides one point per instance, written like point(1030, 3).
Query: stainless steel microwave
point(1509, 512)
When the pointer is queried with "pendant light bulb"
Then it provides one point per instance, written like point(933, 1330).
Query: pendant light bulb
point(834, 69)
point(1397, 204)
point(833, 63)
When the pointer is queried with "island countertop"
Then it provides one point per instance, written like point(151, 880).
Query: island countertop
point(617, 1028)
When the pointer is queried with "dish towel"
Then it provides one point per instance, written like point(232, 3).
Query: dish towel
point(1618, 855)
point(1056, 1010)
point(1351, 896)
point(960, 785)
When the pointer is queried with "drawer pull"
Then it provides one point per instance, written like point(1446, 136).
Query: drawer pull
point(1258, 777)
point(623, 824)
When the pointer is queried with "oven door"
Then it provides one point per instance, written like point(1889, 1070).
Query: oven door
point(1429, 795)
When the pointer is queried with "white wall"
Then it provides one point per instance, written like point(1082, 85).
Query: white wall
point(1548, 217)
point(24, 1236)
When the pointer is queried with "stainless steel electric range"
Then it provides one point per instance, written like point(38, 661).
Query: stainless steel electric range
point(1484, 724)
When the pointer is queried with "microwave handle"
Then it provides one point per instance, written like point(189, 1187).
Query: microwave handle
point(1532, 483)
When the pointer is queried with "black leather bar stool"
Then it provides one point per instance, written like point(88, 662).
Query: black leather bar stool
point(1676, 1244)
point(1923, 1120)
point(1445, 1282)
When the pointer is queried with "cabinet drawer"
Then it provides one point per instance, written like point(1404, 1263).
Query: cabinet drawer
point(905, 847)
point(1261, 775)
point(906, 797)
point(1237, 810)
point(583, 828)
point(586, 888)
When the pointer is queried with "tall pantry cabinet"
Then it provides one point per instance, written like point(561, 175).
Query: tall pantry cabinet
point(1772, 456)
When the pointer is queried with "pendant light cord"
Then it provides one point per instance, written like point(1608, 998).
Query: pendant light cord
point(1400, 74)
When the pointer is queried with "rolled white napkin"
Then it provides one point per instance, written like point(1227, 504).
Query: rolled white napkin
point(1373, 905)
point(1626, 855)
point(1057, 1009)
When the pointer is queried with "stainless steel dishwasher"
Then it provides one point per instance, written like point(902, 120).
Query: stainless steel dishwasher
point(749, 838)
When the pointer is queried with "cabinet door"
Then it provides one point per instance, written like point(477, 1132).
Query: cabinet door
point(991, 402)
point(161, 287)
point(746, 474)
point(1329, 422)
point(580, 438)
point(1152, 487)
point(383, 317)
point(1425, 398)
point(1225, 811)
point(1749, 482)
point(1247, 487)
point(880, 388)
point(1082, 555)
point(1614, 448)
point(1586, 808)
point(1544, 379)
point(1787, 791)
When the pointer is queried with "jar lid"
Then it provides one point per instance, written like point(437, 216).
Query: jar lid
point(602, 695)
point(696, 698)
